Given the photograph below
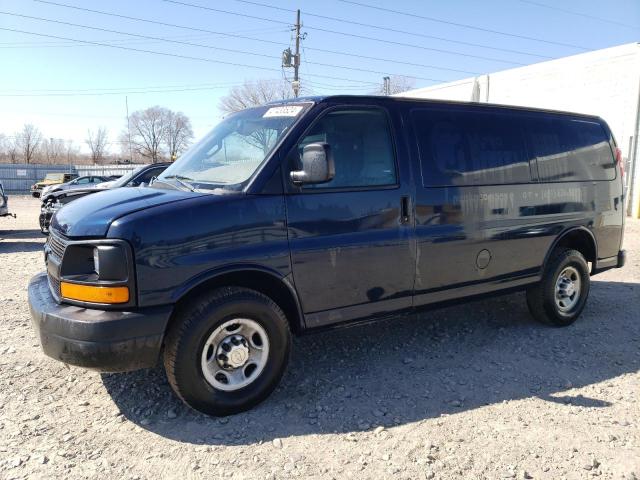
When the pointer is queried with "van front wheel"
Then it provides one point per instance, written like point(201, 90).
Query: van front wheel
point(562, 293)
point(227, 351)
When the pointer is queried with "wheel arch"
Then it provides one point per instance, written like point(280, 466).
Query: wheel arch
point(578, 238)
point(268, 282)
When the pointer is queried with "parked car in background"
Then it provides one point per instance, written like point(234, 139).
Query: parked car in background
point(348, 209)
point(51, 179)
point(52, 201)
point(113, 177)
point(85, 181)
point(4, 203)
point(142, 174)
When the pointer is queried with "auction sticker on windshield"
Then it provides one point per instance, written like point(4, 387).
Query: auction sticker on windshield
point(286, 111)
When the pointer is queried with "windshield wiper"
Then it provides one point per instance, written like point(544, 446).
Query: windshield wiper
point(182, 180)
point(157, 180)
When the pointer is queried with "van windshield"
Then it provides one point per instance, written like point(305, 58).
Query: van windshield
point(232, 152)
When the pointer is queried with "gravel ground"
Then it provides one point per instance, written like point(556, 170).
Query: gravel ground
point(474, 391)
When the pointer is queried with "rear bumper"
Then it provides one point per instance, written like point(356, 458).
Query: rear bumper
point(611, 262)
point(103, 340)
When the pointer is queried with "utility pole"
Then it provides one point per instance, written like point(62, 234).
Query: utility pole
point(292, 59)
point(386, 88)
point(296, 58)
point(126, 103)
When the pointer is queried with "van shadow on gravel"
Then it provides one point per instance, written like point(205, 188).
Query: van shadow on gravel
point(409, 369)
point(15, 241)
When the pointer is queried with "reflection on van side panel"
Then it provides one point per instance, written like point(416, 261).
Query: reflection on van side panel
point(318, 212)
point(490, 167)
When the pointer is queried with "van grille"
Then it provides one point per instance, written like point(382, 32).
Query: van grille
point(57, 245)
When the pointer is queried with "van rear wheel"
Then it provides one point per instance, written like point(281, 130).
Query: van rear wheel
point(561, 295)
point(227, 351)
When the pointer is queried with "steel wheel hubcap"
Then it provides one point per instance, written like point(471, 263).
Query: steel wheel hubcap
point(235, 354)
point(568, 287)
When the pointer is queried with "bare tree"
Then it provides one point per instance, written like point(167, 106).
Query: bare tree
point(4, 148)
point(397, 84)
point(148, 132)
point(97, 143)
point(179, 134)
point(28, 142)
point(72, 153)
point(13, 152)
point(252, 94)
point(53, 150)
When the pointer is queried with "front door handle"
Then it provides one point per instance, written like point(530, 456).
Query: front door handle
point(404, 209)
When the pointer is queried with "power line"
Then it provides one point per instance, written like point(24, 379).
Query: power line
point(237, 14)
point(157, 22)
point(389, 29)
point(143, 42)
point(175, 55)
point(390, 60)
point(412, 45)
point(117, 89)
point(362, 37)
point(92, 94)
point(580, 14)
point(271, 42)
point(244, 52)
point(45, 44)
point(50, 20)
point(462, 25)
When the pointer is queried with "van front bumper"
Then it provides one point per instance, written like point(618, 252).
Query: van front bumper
point(103, 340)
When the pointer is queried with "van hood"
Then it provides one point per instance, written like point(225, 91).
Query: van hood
point(92, 215)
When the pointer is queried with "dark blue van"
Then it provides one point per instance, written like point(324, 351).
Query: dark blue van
point(315, 213)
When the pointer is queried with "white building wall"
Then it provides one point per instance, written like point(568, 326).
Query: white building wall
point(604, 82)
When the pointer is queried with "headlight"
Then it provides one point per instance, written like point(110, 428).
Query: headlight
point(97, 272)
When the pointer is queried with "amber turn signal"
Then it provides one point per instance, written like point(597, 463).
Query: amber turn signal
point(93, 294)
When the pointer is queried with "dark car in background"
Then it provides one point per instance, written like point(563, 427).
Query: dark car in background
point(52, 201)
point(316, 213)
point(141, 175)
point(85, 181)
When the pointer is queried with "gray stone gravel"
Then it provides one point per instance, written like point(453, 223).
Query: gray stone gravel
point(473, 391)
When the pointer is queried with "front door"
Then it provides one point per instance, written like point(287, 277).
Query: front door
point(351, 238)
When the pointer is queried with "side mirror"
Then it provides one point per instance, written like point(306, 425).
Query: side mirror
point(317, 165)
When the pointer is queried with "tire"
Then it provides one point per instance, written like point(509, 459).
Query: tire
point(197, 376)
point(561, 310)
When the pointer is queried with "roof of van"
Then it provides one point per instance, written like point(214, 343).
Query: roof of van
point(394, 99)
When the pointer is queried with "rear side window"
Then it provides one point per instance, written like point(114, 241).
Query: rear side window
point(570, 149)
point(362, 147)
point(461, 147)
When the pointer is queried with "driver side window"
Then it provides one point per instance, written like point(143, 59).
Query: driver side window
point(362, 148)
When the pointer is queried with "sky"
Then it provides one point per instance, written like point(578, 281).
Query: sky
point(65, 86)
